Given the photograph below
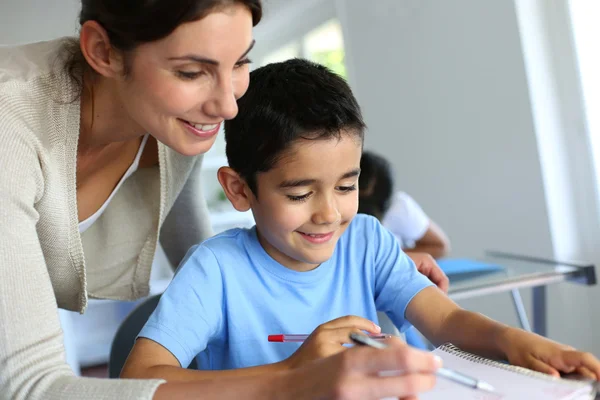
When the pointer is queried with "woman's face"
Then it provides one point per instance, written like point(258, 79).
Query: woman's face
point(181, 88)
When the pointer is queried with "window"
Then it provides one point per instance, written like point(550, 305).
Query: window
point(323, 45)
point(291, 50)
point(584, 17)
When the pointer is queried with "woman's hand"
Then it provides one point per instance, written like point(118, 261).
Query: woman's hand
point(329, 338)
point(427, 266)
point(354, 374)
point(535, 352)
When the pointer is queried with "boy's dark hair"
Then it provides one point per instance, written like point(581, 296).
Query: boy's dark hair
point(287, 101)
point(376, 184)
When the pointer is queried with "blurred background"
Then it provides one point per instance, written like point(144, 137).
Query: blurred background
point(488, 111)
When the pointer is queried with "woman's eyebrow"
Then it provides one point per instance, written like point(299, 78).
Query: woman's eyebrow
point(205, 60)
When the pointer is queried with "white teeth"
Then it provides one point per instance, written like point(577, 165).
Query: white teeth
point(205, 127)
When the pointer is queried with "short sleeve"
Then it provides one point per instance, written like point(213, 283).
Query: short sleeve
point(397, 280)
point(406, 219)
point(189, 314)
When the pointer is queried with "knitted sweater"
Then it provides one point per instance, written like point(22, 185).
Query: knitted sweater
point(44, 262)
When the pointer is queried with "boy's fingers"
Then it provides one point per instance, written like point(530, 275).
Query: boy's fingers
point(406, 387)
point(342, 335)
point(352, 321)
point(540, 366)
point(578, 359)
point(399, 357)
point(586, 373)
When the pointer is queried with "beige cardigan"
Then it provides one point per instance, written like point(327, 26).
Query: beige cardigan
point(44, 261)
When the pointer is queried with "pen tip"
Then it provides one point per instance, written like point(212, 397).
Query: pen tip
point(485, 386)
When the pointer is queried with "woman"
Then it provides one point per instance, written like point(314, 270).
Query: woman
point(85, 191)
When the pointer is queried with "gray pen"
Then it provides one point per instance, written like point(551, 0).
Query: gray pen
point(446, 373)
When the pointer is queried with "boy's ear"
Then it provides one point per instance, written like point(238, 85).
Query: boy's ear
point(235, 188)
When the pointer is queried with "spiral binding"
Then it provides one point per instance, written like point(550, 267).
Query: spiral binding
point(451, 349)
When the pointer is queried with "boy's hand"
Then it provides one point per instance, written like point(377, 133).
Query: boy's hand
point(329, 338)
point(544, 355)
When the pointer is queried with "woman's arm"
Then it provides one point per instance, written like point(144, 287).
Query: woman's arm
point(32, 360)
point(188, 222)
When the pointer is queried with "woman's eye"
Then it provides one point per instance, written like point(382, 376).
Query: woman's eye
point(243, 62)
point(188, 75)
point(299, 198)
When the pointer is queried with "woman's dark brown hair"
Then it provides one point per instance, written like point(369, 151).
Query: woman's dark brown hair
point(130, 23)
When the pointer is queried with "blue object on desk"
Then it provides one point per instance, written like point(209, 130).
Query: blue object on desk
point(457, 266)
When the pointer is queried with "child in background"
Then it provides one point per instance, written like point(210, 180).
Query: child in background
point(310, 263)
point(398, 212)
point(417, 234)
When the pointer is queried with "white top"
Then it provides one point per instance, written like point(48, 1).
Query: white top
point(406, 219)
point(85, 224)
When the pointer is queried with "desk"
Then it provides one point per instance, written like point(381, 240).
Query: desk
point(521, 272)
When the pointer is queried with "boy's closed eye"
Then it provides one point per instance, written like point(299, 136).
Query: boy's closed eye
point(346, 189)
point(299, 198)
point(306, 196)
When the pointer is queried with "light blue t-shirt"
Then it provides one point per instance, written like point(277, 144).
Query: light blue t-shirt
point(229, 295)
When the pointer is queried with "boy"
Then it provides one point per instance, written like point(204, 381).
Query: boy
point(294, 154)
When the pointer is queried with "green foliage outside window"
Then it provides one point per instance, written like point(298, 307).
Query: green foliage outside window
point(332, 59)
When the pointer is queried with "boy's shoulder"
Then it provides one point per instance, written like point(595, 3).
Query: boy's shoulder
point(363, 231)
point(364, 223)
point(227, 241)
point(222, 246)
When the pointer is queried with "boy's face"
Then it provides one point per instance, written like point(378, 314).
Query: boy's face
point(306, 201)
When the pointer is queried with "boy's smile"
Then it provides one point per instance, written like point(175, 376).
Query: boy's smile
point(306, 201)
point(317, 238)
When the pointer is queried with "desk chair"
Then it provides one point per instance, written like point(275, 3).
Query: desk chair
point(126, 334)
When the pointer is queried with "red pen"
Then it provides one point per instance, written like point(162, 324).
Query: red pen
point(302, 338)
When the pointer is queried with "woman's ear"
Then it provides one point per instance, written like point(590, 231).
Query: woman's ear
point(236, 189)
point(98, 52)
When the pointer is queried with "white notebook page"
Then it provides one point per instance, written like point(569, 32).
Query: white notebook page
point(508, 384)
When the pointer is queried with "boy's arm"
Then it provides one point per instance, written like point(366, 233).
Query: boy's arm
point(475, 333)
point(447, 322)
point(149, 359)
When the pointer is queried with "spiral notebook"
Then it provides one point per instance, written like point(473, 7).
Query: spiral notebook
point(509, 381)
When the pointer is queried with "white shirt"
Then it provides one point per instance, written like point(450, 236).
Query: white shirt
point(406, 220)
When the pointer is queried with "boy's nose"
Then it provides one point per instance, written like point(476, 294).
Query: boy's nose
point(327, 213)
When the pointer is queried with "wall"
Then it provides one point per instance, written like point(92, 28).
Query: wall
point(26, 21)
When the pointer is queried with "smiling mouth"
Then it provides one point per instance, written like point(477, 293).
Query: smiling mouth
point(316, 237)
point(202, 131)
point(202, 127)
